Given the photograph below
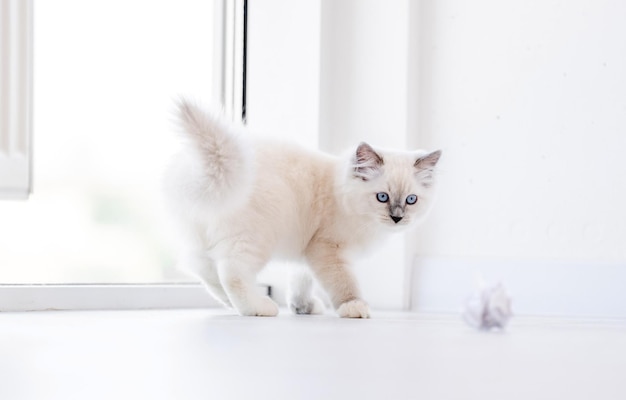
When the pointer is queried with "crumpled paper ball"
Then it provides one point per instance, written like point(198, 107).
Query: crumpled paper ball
point(489, 307)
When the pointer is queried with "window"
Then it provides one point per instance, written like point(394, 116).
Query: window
point(106, 74)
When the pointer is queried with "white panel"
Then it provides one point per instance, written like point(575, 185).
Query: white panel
point(528, 100)
point(15, 97)
point(283, 69)
point(364, 82)
point(537, 287)
point(364, 61)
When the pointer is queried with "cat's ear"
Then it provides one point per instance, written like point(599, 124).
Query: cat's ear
point(367, 162)
point(425, 167)
point(428, 161)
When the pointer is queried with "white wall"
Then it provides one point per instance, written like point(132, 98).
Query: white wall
point(364, 61)
point(283, 69)
point(528, 101)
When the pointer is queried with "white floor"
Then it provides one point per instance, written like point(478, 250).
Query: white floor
point(209, 354)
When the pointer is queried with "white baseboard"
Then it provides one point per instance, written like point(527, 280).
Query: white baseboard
point(571, 289)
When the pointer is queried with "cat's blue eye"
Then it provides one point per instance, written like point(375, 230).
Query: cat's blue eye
point(382, 197)
point(411, 199)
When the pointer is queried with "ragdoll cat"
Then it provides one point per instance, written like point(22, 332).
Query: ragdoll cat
point(242, 201)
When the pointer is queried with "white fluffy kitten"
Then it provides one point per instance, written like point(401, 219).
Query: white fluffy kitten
point(241, 202)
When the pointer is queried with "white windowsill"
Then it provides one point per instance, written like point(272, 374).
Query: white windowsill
point(104, 297)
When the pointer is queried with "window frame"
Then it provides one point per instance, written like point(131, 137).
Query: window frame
point(16, 77)
point(230, 20)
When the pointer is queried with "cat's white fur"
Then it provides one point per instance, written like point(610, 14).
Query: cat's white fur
point(241, 201)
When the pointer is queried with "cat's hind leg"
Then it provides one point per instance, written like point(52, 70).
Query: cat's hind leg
point(237, 274)
point(300, 297)
point(205, 269)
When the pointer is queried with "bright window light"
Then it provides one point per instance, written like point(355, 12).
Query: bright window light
point(105, 76)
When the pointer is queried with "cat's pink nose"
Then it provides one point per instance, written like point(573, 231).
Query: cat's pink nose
point(395, 219)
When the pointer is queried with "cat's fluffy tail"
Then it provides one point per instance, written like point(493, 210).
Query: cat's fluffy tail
point(214, 171)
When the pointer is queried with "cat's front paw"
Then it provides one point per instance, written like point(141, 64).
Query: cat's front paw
point(354, 309)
